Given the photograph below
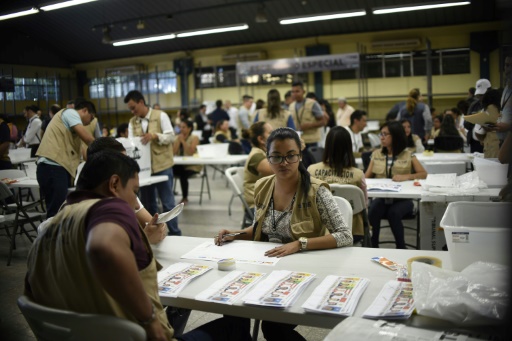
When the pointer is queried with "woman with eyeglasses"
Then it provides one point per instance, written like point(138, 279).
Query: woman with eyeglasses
point(394, 162)
point(294, 209)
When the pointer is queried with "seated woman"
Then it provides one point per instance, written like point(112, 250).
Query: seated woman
point(339, 167)
point(222, 132)
point(257, 165)
point(450, 139)
point(395, 162)
point(293, 209)
point(414, 144)
point(436, 125)
point(185, 145)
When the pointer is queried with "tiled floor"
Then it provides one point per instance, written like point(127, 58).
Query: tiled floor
point(196, 220)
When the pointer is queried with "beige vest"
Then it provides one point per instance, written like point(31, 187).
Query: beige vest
point(161, 154)
point(61, 145)
point(249, 178)
point(491, 145)
point(281, 121)
point(402, 164)
point(350, 176)
point(305, 220)
point(220, 132)
point(305, 115)
point(188, 141)
point(59, 275)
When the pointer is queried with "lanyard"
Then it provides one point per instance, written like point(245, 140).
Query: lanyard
point(274, 221)
point(389, 171)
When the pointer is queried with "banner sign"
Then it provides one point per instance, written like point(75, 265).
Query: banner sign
point(299, 65)
point(140, 153)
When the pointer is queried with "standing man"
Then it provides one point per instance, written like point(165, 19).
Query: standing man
point(307, 116)
point(217, 115)
point(154, 126)
point(244, 112)
point(288, 99)
point(202, 124)
point(344, 112)
point(357, 125)
point(59, 152)
point(233, 118)
point(32, 137)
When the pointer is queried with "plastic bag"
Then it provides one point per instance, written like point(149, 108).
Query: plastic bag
point(477, 295)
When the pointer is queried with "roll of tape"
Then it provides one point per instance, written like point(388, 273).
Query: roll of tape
point(423, 259)
point(226, 264)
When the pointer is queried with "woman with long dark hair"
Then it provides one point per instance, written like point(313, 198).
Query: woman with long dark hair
point(449, 139)
point(294, 209)
point(418, 114)
point(414, 144)
point(339, 167)
point(185, 145)
point(394, 162)
point(274, 114)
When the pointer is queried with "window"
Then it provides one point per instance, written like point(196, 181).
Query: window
point(33, 89)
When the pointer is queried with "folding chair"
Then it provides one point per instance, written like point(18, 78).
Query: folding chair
point(203, 175)
point(59, 325)
point(235, 176)
point(355, 197)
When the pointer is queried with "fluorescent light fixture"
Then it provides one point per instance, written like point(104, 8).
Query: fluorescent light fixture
point(19, 14)
point(221, 29)
point(144, 40)
point(64, 4)
point(420, 7)
point(319, 17)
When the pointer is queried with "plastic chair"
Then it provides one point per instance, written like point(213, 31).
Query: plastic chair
point(56, 325)
point(235, 176)
point(345, 208)
point(355, 196)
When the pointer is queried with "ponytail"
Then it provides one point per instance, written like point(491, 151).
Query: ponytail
point(305, 178)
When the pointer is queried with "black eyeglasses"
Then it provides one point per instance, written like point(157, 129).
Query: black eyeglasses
point(292, 158)
point(384, 134)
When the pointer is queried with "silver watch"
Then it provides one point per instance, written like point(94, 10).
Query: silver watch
point(303, 243)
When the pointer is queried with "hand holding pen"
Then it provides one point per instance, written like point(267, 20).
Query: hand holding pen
point(224, 236)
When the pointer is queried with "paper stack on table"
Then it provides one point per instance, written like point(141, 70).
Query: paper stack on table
point(394, 301)
point(231, 287)
point(174, 278)
point(384, 187)
point(337, 295)
point(279, 289)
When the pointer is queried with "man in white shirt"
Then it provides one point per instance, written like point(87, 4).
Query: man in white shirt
point(232, 112)
point(357, 125)
point(32, 137)
point(244, 112)
point(154, 126)
point(344, 112)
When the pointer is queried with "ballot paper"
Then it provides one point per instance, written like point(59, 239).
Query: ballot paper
point(231, 287)
point(279, 289)
point(394, 301)
point(336, 295)
point(174, 278)
point(384, 187)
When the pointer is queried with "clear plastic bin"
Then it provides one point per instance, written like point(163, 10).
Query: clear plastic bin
point(477, 231)
point(490, 171)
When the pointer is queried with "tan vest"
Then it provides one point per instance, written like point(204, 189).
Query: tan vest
point(281, 121)
point(5, 156)
point(305, 220)
point(59, 275)
point(188, 141)
point(220, 132)
point(249, 178)
point(161, 154)
point(305, 115)
point(61, 145)
point(402, 164)
point(491, 145)
point(350, 176)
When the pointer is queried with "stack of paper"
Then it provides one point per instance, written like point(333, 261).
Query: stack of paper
point(394, 301)
point(232, 287)
point(279, 289)
point(384, 187)
point(337, 295)
point(173, 279)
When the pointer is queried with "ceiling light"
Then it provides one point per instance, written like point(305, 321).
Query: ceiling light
point(419, 7)
point(19, 14)
point(65, 4)
point(319, 17)
point(107, 39)
point(144, 40)
point(238, 27)
point(261, 16)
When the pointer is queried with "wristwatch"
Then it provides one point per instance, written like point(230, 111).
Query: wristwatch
point(303, 243)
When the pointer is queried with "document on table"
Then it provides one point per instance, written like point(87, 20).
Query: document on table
point(337, 295)
point(384, 187)
point(232, 287)
point(279, 289)
point(240, 251)
point(442, 180)
point(174, 278)
point(394, 301)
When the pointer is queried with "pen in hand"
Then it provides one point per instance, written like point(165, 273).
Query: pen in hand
point(220, 239)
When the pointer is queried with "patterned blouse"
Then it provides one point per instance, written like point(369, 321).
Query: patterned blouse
point(330, 215)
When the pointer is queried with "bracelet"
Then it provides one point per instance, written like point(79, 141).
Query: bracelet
point(151, 319)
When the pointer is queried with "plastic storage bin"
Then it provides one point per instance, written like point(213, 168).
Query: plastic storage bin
point(477, 231)
point(493, 173)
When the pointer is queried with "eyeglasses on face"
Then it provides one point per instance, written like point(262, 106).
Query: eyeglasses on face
point(384, 134)
point(275, 159)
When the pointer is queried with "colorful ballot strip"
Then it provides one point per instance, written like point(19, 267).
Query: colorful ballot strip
point(174, 278)
point(231, 287)
point(395, 301)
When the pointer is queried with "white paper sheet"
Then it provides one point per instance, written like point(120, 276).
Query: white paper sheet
point(279, 289)
point(174, 278)
point(336, 295)
point(442, 180)
point(384, 187)
point(241, 252)
point(231, 287)
point(394, 301)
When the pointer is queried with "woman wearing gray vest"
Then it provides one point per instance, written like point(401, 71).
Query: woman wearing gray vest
point(293, 209)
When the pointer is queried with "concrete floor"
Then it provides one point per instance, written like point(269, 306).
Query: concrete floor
point(196, 220)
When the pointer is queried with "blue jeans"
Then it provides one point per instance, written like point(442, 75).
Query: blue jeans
point(53, 182)
point(394, 213)
point(164, 189)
